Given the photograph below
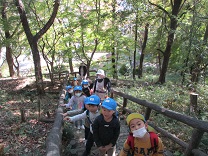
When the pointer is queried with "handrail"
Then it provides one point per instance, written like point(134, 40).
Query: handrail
point(199, 125)
point(54, 138)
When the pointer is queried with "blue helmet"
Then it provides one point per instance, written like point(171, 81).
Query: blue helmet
point(109, 104)
point(84, 82)
point(78, 88)
point(68, 87)
point(93, 100)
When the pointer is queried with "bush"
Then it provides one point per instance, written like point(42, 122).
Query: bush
point(124, 70)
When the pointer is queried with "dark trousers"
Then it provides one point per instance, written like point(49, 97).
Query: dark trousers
point(87, 131)
point(90, 142)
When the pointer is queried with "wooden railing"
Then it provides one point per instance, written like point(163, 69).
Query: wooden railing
point(54, 138)
point(199, 126)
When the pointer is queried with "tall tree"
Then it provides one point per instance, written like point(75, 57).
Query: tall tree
point(176, 6)
point(113, 53)
point(140, 69)
point(8, 37)
point(33, 39)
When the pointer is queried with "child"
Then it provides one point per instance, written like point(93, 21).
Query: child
point(92, 105)
point(101, 85)
point(69, 93)
point(106, 128)
point(75, 82)
point(85, 88)
point(76, 102)
point(141, 139)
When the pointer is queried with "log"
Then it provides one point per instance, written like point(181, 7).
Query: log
point(54, 139)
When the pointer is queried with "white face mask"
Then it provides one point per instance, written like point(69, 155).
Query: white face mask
point(78, 94)
point(100, 77)
point(70, 91)
point(139, 133)
point(85, 86)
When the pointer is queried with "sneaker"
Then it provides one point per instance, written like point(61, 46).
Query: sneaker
point(82, 127)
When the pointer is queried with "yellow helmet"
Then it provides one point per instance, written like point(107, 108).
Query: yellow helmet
point(134, 116)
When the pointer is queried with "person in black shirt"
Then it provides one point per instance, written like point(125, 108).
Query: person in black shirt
point(106, 128)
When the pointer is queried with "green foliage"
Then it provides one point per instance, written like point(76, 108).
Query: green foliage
point(124, 70)
point(171, 96)
point(61, 67)
point(67, 132)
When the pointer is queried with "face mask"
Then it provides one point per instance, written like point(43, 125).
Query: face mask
point(99, 77)
point(139, 133)
point(78, 94)
point(71, 91)
point(85, 86)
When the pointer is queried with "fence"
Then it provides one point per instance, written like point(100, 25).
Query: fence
point(199, 126)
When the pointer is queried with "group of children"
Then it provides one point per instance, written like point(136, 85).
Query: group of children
point(102, 125)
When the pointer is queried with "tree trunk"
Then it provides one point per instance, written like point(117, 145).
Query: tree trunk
point(37, 65)
point(71, 65)
point(197, 66)
point(10, 61)
point(33, 40)
point(113, 58)
point(167, 53)
point(9, 57)
point(135, 46)
point(142, 52)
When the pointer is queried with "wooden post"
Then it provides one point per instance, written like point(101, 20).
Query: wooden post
point(194, 142)
point(22, 112)
point(193, 102)
point(124, 105)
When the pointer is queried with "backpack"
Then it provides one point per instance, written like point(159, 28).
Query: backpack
point(153, 140)
point(88, 116)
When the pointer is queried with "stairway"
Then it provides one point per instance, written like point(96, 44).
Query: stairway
point(78, 143)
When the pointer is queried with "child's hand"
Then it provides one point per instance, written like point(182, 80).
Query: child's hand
point(64, 114)
point(67, 119)
point(62, 105)
point(91, 91)
point(102, 148)
point(107, 147)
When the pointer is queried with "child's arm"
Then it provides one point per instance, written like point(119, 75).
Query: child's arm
point(116, 132)
point(125, 149)
point(95, 127)
point(72, 112)
point(78, 117)
point(66, 96)
point(70, 103)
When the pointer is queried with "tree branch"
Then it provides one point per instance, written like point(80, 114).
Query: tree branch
point(161, 8)
point(50, 21)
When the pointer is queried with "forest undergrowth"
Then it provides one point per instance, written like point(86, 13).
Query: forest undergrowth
point(24, 135)
point(28, 137)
